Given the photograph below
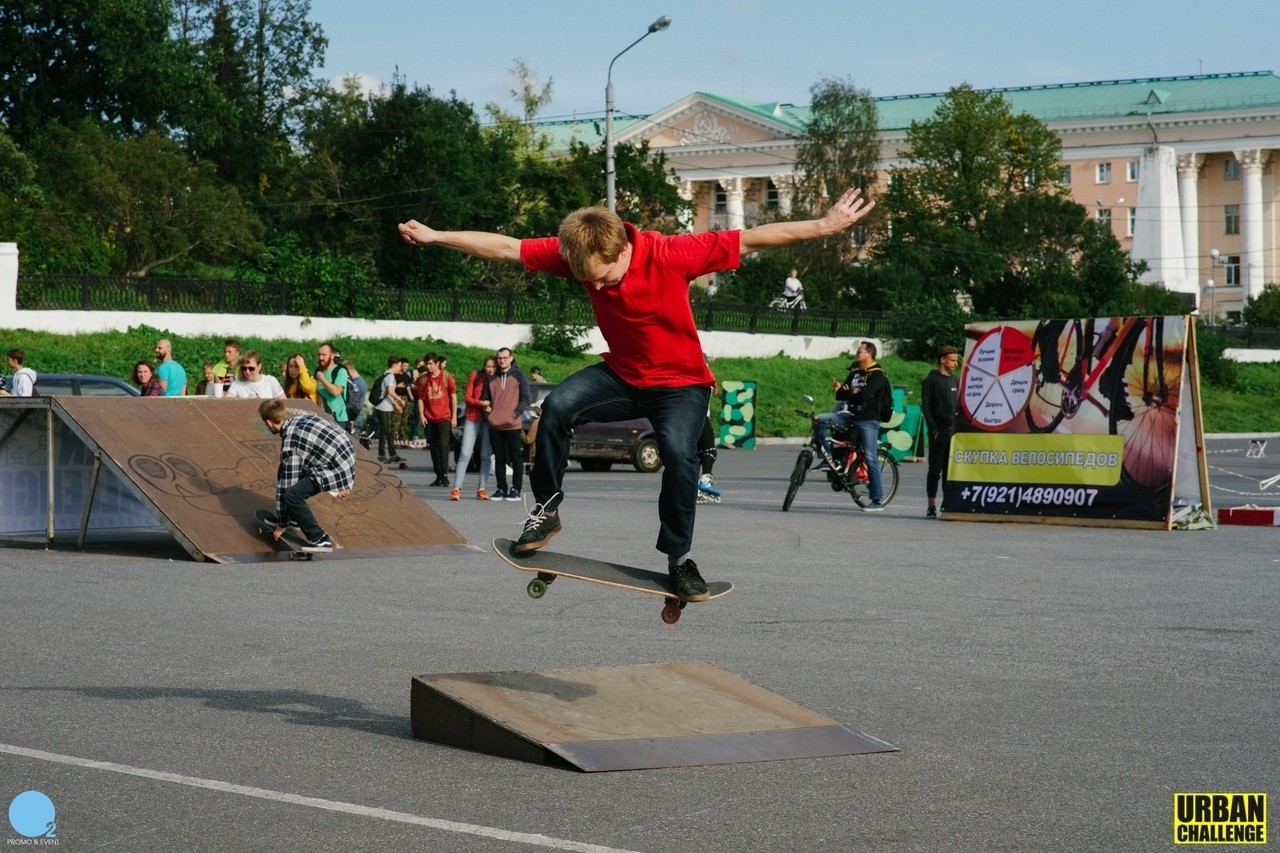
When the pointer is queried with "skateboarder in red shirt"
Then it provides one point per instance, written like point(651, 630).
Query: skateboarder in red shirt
point(638, 282)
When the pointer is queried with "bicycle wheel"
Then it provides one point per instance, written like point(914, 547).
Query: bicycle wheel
point(860, 490)
point(1058, 357)
point(1144, 393)
point(803, 461)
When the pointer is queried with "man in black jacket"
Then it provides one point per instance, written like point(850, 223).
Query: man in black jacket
point(862, 394)
point(940, 400)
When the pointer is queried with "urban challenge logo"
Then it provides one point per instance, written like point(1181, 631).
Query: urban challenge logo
point(1219, 818)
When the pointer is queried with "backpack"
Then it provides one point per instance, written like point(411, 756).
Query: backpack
point(378, 392)
point(886, 401)
point(354, 396)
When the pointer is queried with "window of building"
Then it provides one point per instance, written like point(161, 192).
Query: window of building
point(1066, 175)
point(1231, 271)
point(1131, 171)
point(1103, 215)
point(770, 195)
point(1103, 173)
point(1231, 170)
point(1231, 219)
point(1133, 220)
point(721, 200)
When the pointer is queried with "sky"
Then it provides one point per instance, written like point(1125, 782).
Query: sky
point(775, 51)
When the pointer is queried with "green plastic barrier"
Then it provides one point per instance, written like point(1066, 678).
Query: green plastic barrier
point(738, 414)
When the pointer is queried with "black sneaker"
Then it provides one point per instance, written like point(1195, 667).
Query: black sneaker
point(539, 527)
point(931, 512)
point(321, 546)
point(688, 583)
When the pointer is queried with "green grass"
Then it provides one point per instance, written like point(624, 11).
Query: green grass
point(1250, 406)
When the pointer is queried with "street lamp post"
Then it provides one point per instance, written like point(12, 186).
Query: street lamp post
point(609, 171)
point(1217, 260)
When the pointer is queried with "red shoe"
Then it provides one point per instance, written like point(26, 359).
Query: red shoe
point(455, 495)
point(482, 495)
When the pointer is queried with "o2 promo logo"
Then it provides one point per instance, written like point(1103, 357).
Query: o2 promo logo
point(31, 814)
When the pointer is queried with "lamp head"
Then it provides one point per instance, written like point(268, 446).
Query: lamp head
point(1214, 253)
point(660, 24)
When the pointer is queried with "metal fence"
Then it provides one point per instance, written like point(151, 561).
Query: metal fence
point(213, 296)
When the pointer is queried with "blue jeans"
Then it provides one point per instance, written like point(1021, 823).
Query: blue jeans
point(595, 394)
point(471, 430)
point(831, 421)
point(869, 436)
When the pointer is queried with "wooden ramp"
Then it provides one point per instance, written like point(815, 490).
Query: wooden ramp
point(625, 718)
point(196, 467)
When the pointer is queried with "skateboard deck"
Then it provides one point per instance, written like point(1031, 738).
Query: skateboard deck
point(550, 565)
point(267, 522)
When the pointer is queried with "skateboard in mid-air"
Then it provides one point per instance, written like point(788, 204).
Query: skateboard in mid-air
point(549, 565)
point(267, 522)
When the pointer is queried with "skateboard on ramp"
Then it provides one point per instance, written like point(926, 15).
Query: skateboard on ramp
point(267, 522)
point(549, 565)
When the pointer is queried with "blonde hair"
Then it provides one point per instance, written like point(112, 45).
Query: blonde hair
point(591, 235)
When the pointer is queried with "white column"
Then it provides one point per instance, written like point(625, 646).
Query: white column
point(735, 190)
point(1189, 195)
point(1251, 256)
point(1157, 235)
point(685, 190)
point(9, 281)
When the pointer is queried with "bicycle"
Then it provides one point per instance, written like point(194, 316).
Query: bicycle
point(1072, 357)
point(851, 475)
point(1125, 361)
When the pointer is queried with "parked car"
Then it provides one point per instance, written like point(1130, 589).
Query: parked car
point(597, 446)
point(80, 385)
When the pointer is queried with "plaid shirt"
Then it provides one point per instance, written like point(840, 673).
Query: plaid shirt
point(317, 448)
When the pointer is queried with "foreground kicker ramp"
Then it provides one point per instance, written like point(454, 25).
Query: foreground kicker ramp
point(625, 718)
point(196, 467)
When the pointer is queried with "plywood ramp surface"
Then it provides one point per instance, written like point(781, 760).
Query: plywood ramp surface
point(206, 466)
point(650, 715)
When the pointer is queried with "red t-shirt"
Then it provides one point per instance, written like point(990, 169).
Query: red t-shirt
point(646, 319)
point(436, 393)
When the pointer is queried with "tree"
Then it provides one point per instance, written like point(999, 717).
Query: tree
point(405, 155)
point(65, 60)
point(841, 145)
point(1264, 309)
point(977, 211)
point(148, 204)
point(253, 81)
point(840, 149)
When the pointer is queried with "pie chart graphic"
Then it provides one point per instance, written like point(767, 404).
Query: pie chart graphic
point(997, 378)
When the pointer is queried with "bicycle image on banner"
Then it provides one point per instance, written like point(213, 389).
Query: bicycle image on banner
point(1070, 420)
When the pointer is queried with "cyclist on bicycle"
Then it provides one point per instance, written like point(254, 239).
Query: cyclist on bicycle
point(861, 400)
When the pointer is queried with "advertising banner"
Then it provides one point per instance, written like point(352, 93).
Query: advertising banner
point(1073, 421)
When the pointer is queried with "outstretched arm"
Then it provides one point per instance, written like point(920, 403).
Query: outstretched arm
point(840, 217)
point(479, 244)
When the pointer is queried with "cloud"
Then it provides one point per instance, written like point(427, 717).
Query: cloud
point(365, 84)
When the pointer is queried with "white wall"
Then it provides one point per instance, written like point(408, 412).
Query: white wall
point(271, 327)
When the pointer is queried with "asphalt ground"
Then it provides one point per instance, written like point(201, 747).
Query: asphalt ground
point(1050, 688)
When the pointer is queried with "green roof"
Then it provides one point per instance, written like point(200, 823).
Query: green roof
point(1105, 99)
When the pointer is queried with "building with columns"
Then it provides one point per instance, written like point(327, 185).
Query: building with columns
point(1183, 168)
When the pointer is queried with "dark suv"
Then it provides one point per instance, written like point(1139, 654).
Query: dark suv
point(80, 385)
point(597, 446)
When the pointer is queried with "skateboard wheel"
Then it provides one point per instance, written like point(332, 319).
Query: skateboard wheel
point(671, 614)
point(537, 588)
